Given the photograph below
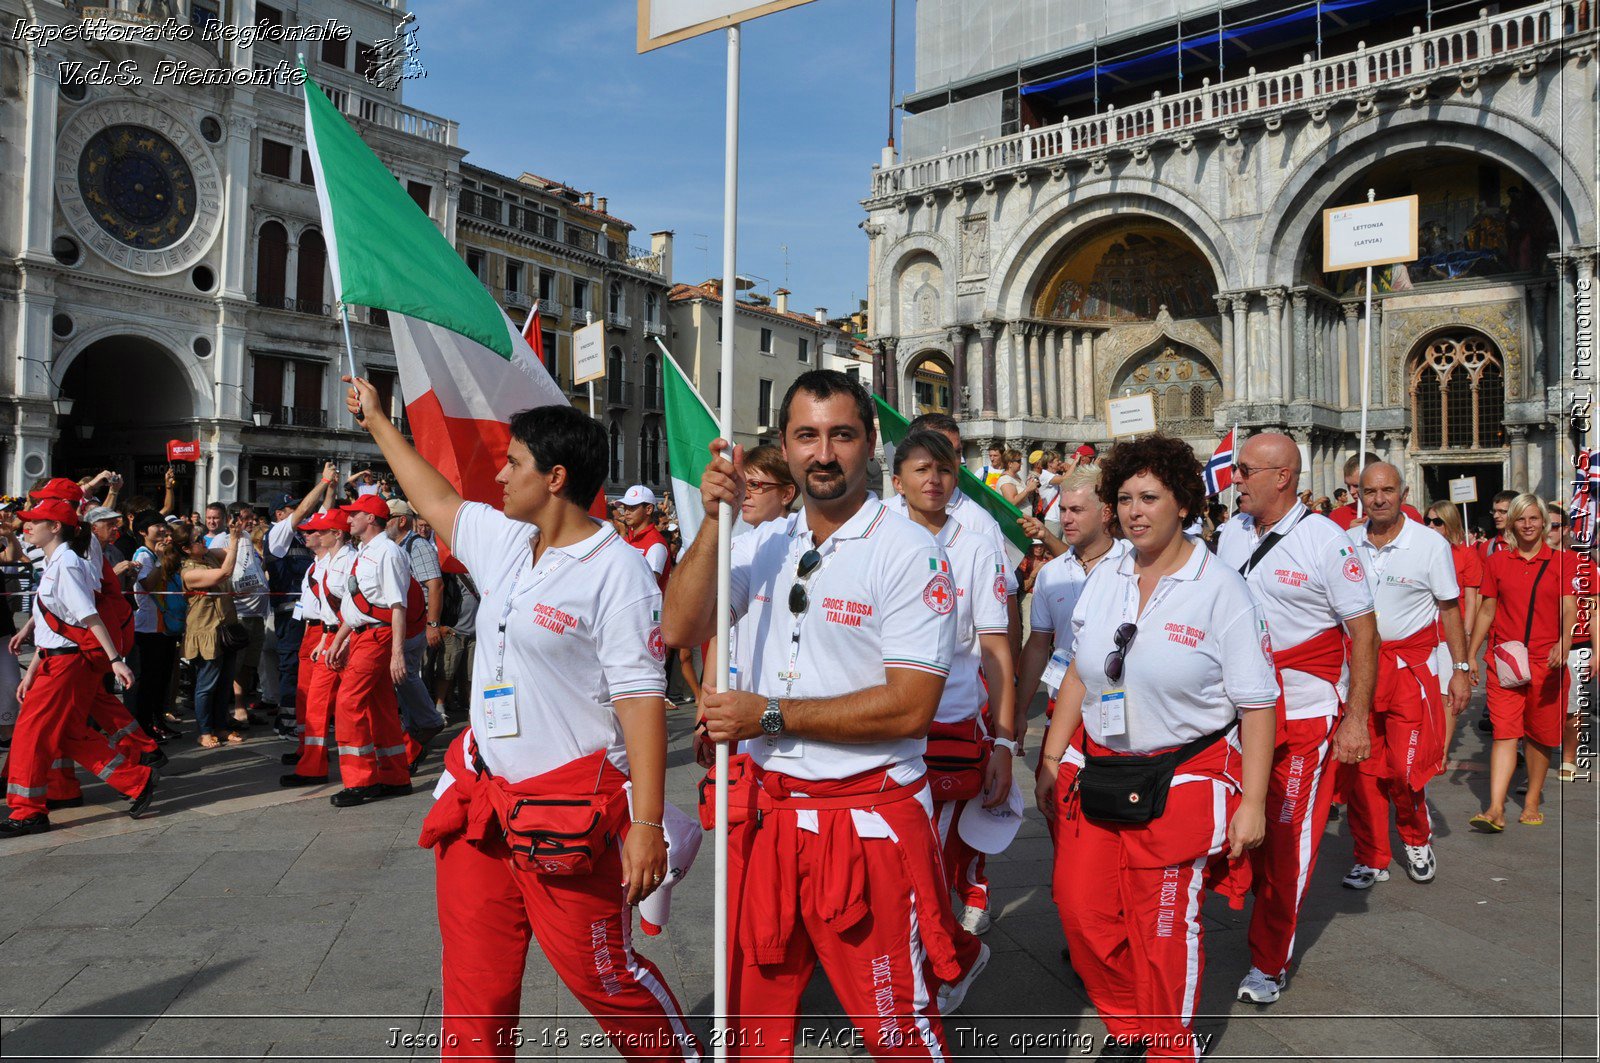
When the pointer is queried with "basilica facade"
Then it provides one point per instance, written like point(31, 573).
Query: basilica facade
point(1060, 228)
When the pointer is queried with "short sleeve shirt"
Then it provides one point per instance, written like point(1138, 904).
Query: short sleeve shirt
point(1200, 655)
point(280, 537)
point(249, 580)
point(383, 572)
point(1056, 591)
point(978, 570)
point(1409, 576)
point(424, 559)
point(582, 629)
point(66, 589)
point(1508, 577)
point(144, 611)
point(1310, 581)
point(975, 519)
point(333, 580)
point(882, 597)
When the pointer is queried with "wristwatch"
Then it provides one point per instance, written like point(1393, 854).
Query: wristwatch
point(772, 719)
point(1006, 744)
point(433, 623)
point(1462, 666)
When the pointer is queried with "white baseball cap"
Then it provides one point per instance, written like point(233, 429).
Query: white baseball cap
point(990, 830)
point(639, 495)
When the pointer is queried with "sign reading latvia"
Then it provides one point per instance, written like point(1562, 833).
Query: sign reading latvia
point(1380, 233)
point(589, 353)
point(664, 22)
point(1464, 489)
point(177, 450)
point(1130, 415)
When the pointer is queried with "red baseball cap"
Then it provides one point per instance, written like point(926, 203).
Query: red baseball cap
point(59, 488)
point(55, 509)
point(333, 520)
point(312, 523)
point(1085, 451)
point(373, 504)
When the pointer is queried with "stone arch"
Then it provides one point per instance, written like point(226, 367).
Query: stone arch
point(895, 260)
point(200, 388)
point(1021, 265)
point(1183, 378)
point(1288, 223)
point(938, 360)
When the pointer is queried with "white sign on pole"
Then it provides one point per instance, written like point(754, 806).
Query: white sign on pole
point(664, 22)
point(1380, 233)
point(589, 353)
point(1130, 415)
point(1464, 489)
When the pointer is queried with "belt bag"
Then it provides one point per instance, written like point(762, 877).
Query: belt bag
point(1133, 789)
point(741, 794)
point(1511, 666)
point(955, 762)
point(563, 835)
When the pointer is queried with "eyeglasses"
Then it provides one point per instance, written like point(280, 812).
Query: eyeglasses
point(760, 487)
point(1121, 640)
point(1244, 472)
point(798, 599)
point(1436, 522)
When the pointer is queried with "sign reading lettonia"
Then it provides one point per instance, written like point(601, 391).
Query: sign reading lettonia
point(664, 22)
point(1369, 234)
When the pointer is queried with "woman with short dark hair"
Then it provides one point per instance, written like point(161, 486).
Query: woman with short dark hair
point(1173, 683)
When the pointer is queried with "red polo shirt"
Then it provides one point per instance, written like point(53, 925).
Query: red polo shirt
point(1345, 515)
point(1469, 572)
point(1508, 577)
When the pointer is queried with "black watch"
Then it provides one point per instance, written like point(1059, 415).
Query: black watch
point(772, 719)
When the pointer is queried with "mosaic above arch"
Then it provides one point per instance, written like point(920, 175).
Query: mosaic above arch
point(1127, 273)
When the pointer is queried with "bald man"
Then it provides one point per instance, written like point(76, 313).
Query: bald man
point(1412, 575)
point(1313, 590)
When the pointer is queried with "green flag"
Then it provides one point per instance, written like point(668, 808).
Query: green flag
point(690, 432)
point(892, 425)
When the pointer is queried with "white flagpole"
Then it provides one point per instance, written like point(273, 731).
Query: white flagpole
point(1366, 387)
point(725, 515)
point(349, 348)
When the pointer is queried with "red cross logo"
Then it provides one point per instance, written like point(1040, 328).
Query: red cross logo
point(937, 595)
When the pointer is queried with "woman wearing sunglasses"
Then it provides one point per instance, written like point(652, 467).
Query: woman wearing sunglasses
point(1174, 685)
point(1445, 518)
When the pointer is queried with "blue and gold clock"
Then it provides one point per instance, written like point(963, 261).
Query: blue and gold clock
point(137, 185)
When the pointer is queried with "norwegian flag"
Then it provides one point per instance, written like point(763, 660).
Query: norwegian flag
point(1585, 507)
point(1219, 470)
point(533, 332)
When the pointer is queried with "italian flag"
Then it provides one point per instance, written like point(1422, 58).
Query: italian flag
point(892, 426)
point(691, 429)
point(465, 369)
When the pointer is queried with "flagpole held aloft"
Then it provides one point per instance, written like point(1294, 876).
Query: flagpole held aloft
point(349, 348)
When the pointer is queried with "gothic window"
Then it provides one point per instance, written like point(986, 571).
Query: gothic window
point(1457, 385)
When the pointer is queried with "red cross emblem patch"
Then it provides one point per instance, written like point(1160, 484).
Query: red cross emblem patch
point(940, 594)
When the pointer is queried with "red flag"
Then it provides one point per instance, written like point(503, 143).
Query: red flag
point(1219, 470)
point(533, 332)
point(177, 450)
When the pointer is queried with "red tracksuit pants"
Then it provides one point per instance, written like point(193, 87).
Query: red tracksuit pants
point(372, 749)
point(489, 909)
point(310, 635)
point(1298, 797)
point(317, 693)
point(1130, 899)
point(854, 908)
point(111, 716)
point(963, 865)
point(1388, 777)
point(52, 722)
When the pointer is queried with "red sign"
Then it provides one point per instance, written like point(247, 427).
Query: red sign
point(177, 450)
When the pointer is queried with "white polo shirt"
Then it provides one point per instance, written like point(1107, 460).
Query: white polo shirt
point(1050, 494)
point(306, 606)
point(1408, 578)
point(881, 598)
point(1056, 590)
point(280, 536)
point(66, 588)
point(1309, 582)
point(582, 629)
point(979, 573)
point(1201, 654)
point(333, 579)
point(975, 519)
point(383, 572)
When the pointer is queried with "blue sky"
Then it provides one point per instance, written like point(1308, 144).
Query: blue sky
point(560, 91)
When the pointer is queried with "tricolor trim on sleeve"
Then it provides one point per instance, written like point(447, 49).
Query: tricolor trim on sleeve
point(877, 520)
point(921, 666)
point(659, 692)
point(997, 630)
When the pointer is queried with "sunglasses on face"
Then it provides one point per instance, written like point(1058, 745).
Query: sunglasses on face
point(1244, 472)
point(799, 601)
point(1114, 660)
point(1435, 522)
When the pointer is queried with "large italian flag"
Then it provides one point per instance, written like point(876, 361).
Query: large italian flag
point(691, 429)
point(464, 367)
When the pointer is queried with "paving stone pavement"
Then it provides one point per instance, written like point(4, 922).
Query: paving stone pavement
point(245, 922)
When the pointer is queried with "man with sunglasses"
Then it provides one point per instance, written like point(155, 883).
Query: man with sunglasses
point(850, 614)
point(1413, 581)
point(1310, 583)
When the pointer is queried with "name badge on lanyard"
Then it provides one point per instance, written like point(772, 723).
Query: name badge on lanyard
point(500, 710)
point(1056, 671)
point(1114, 711)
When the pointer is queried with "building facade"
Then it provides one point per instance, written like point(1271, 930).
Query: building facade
point(533, 240)
point(1094, 204)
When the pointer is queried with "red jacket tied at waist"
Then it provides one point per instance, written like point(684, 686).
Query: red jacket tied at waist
point(1405, 675)
point(1320, 655)
point(839, 890)
point(474, 805)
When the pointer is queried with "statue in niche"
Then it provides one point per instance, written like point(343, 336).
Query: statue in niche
point(925, 305)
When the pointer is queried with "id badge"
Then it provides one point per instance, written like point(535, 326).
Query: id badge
point(1113, 712)
point(500, 711)
point(1056, 671)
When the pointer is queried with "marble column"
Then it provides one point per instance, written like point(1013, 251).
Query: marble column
point(236, 241)
point(1538, 309)
point(891, 371)
point(1229, 367)
point(1275, 355)
point(1517, 435)
point(1302, 439)
point(1051, 340)
point(37, 208)
point(878, 374)
point(1069, 372)
point(960, 389)
point(986, 340)
point(1089, 407)
point(1299, 348)
point(1243, 389)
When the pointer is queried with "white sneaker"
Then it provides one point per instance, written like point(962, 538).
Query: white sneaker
point(1362, 877)
point(1259, 987)
point(975, 920)
point(951, 996)
point(1420, 863)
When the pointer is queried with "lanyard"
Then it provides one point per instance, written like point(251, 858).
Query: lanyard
point(813, 582)
point(540, 574)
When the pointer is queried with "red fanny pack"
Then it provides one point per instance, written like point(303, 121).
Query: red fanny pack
point(956, 757)
point(741, 793)
point(564, 835)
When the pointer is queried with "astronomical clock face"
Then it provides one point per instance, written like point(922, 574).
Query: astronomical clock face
point(138, 187)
